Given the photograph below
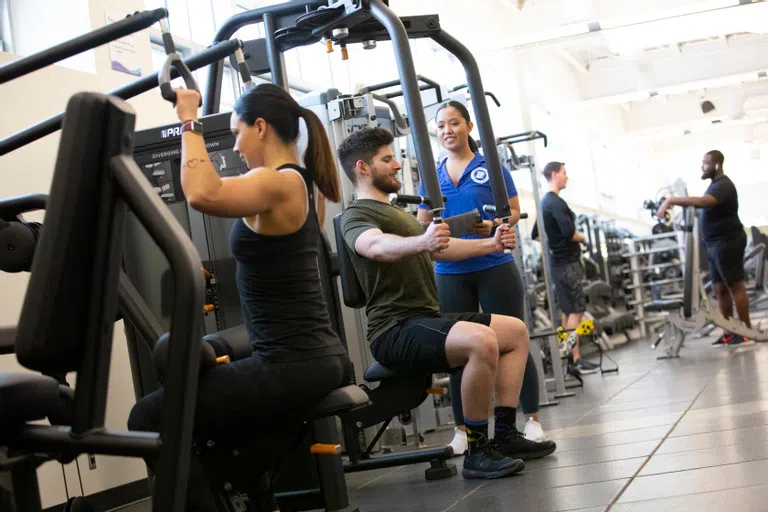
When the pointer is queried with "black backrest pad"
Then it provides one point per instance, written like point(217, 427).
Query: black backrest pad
point(354, 296)
point(69, 308)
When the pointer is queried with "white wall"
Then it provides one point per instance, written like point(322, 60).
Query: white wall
point(29, 100)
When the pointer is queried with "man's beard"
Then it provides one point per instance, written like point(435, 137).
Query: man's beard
point(386, 183)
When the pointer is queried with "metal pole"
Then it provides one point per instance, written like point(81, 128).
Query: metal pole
point(274, 56)
point(413, 103)
point(545, 256)
point(80, 44)
point(50, 125)
point(483, 117)
point(232, 25)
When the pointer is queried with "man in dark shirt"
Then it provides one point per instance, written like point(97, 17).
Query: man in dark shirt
point(392, 256)
point(724, 237)
point(563, 241)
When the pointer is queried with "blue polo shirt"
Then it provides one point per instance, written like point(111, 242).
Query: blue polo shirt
point(473, 192)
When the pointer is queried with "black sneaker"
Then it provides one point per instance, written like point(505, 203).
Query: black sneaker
point(518, 447)
point(488, 462)
point(739, 340)
point(723, 340)
point(584, 367)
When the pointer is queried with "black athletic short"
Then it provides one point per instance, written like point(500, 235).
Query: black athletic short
point(419, 343)
point(569, 286)
point(726, 259)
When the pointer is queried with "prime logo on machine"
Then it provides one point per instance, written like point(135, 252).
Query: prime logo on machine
point(174, 131)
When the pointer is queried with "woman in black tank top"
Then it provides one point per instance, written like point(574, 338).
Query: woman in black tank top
point(297, 357)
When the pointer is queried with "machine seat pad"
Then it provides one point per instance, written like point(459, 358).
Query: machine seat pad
point(27, 396)
point(377, 372)
point(337, 401)
point(664, 305)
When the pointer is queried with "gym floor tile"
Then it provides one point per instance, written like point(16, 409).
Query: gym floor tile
point(617, 406)
point(614, 438)
point(743, 499)
point(718, 456)
point(493, 498)
point(576, 475)
point(714, 439)
point(601, 454)
point(613, 416)
point(687, 426)
point(585, 427)
point(696, 481)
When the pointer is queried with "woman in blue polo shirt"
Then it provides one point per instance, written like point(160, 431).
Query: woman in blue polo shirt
point(491, 281)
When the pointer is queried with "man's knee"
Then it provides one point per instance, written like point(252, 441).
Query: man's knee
point(511, 333)
point(485, 345)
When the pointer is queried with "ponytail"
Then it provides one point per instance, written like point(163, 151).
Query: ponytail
point(319, 158)
point(282, 112)
point(472, 144)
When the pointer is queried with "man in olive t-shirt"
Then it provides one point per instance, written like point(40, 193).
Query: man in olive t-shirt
point(392, 254)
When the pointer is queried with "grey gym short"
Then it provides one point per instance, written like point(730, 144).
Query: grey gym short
point(570, 290)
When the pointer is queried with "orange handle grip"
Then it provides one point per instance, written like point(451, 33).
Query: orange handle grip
point(325, 449)
point(328, 46)
point(208, 308)
point(222, 360)
point(436, 391)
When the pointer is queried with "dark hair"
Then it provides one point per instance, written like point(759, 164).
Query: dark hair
point(281, 112)
point(465, 114)
point(552, 167)
point(362, 145)
point(717, 157)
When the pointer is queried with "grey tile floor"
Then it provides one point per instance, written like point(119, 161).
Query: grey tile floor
point(686, 434)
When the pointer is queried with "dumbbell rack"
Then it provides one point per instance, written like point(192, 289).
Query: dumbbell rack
point(639, 247)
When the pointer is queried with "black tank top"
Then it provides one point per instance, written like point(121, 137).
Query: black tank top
point(280, 290)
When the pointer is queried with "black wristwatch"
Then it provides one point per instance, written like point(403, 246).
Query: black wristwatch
point(192, 126)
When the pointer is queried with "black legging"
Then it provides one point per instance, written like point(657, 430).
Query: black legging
point(499, 290)
point(251, 399)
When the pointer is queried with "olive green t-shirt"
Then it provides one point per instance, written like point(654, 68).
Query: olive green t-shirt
point(393, 291)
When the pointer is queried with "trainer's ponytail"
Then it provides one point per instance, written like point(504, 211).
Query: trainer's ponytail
point(319, 158)
point(472, 144)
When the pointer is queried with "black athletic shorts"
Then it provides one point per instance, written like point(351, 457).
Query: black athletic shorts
point(419, 343)
point(726, 259)
point(569, 286)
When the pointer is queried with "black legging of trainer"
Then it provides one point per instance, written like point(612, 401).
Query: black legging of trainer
point(498, 290)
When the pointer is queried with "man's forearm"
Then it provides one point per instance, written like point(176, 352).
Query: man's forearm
point(461, 249)
point(390, 248)
point(697, 202)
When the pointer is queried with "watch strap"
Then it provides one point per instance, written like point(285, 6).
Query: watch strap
point(192, 126)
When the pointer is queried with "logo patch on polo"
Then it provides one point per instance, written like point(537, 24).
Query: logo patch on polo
point(480, 175)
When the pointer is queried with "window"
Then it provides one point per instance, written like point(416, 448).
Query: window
point(5, 26)
point(195, 20)
point(230, 83)
point(62, 21)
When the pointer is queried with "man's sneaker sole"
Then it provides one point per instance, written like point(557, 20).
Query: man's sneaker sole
point(582, 371)
point(740, 343)
point(517, 467)
point(533, 455)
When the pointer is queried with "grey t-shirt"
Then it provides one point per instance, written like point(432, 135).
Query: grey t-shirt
point(394, 291)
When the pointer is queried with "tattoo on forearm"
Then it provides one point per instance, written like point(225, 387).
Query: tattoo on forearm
point(193, 163)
